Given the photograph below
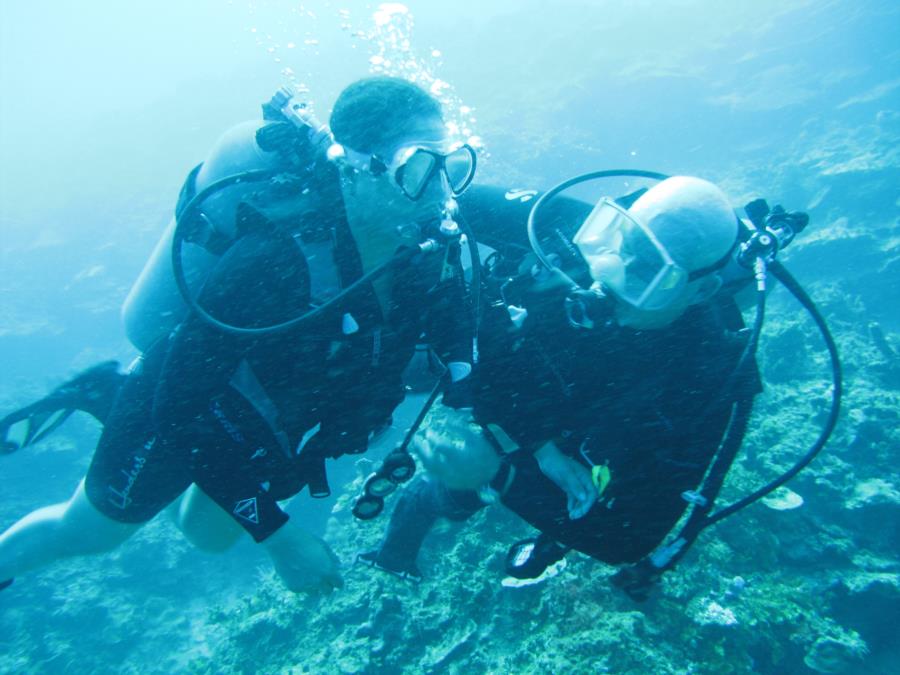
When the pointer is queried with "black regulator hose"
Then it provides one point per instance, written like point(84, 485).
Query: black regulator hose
point(637, 579)
point(182, 231)
point(780, 272)
point(749, 351)
point(475, 262)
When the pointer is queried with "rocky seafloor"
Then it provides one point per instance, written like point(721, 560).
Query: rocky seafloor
point(808, 581)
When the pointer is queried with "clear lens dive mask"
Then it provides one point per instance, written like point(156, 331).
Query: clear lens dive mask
point(413, 166)
point(625, 257)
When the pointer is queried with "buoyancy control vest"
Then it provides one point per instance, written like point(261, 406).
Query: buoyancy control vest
point(288, 139)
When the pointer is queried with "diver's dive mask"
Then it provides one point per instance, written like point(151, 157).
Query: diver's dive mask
point(413, 166)
point(625, 257)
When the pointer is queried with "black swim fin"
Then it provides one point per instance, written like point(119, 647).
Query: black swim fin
point(529, 558)
point(92, 391)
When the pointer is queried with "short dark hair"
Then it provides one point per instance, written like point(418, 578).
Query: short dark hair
point(374, 111)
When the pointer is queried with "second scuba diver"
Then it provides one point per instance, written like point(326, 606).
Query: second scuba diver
point(615, 378)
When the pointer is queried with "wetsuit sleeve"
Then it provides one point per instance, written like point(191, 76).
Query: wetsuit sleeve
point(498, 216)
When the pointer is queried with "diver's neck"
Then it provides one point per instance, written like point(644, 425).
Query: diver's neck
point(373, 252)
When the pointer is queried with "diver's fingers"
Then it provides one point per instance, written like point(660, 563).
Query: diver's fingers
point(582, 509)
point(330, 571)
point(436, 447)
point(585, 498)
point(588, 489)
point(422, 446)
point(324, 586)
point(576, 508)
point(329, 579)
point(571, 505)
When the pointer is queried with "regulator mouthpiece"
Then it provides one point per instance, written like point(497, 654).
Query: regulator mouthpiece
point(449, 227)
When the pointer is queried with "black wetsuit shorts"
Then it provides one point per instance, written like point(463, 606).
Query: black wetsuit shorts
point(229, 451)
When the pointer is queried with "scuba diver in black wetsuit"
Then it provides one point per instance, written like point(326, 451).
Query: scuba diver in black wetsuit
point(275, 319)
point(615, 378)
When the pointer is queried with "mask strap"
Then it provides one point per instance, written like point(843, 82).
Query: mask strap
point(363, 162)
point(715, 267)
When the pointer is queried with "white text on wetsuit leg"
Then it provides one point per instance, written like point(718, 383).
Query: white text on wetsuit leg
point(121, 498)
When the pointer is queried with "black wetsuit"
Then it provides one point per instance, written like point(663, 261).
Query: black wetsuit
point(650, 405)
point(251, 419)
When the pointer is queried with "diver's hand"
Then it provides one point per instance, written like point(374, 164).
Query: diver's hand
point(304, 562)
point(454, 450)
point(571, 477)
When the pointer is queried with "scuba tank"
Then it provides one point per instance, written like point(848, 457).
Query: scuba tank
point(288, 139)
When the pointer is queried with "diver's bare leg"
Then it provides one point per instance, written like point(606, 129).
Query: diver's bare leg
point(65, 530)
point(203, 522)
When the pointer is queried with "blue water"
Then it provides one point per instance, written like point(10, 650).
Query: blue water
point(105, 105)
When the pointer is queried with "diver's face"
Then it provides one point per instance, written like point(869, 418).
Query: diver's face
point(400, 202)
point(383, 216)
